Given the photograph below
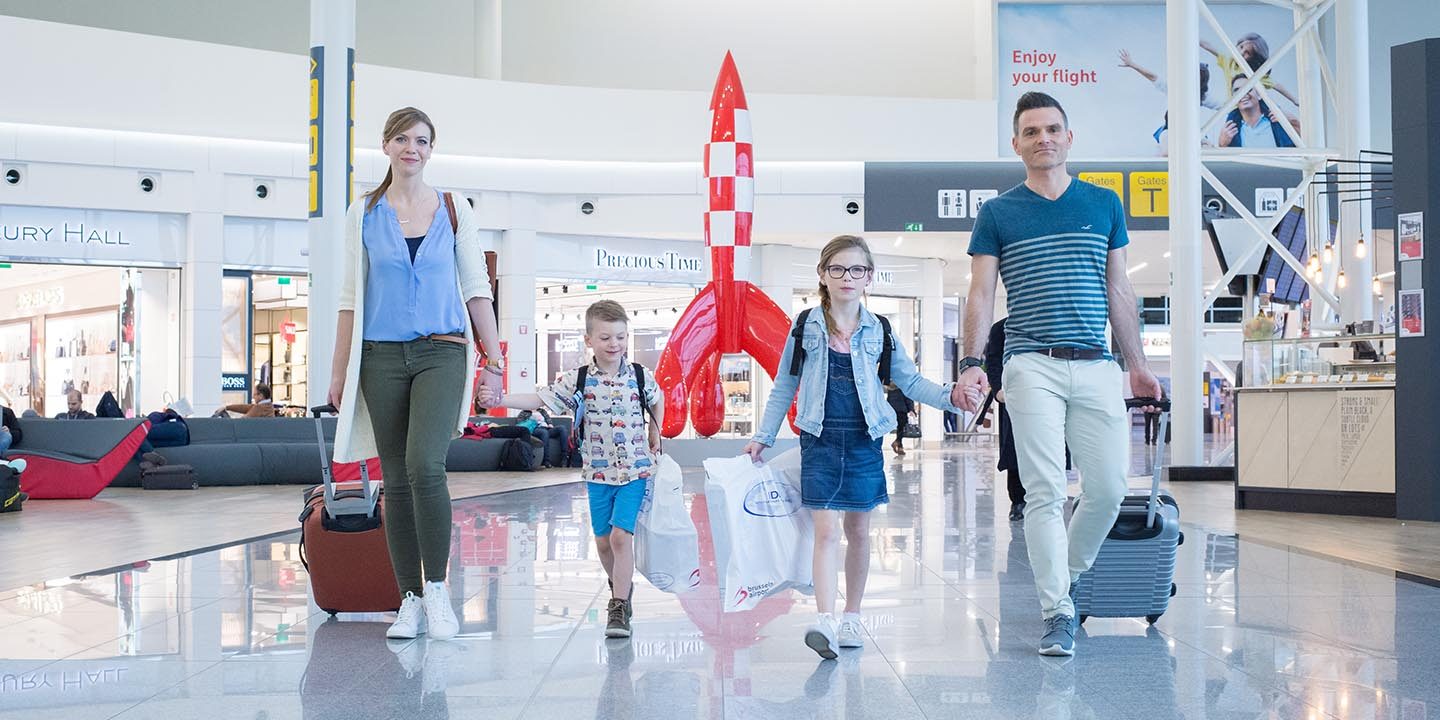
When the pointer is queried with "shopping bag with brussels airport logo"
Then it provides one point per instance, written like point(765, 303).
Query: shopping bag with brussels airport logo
point(667, 547)
point(763, 535)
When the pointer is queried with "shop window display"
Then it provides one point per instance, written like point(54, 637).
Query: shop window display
point(81, 354)
point(15, 375)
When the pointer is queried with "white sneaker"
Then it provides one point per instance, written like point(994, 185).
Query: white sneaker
point(438, 613)
point(820, 637)
point(410, 621)
point(18, 465)
point(852, 633)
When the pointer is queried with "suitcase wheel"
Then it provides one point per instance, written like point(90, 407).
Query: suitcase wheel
point(1152, 619)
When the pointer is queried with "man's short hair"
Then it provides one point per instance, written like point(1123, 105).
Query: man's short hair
point(263, 390)
point(1035, 101)
point(604, 311)
point(75, 395)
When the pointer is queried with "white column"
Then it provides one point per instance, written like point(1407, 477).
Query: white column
point(332, 51)
point(1352, 45)
point(516, 274)
point(1311, 91)
point(157, 347)
point(488, 36)
point(932, 345)
point(1182, 24)
point(773, 263)
point(200, 314)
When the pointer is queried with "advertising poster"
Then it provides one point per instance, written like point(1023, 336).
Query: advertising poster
point(1411, 235)
point(1412, 313)
point(1106, 66)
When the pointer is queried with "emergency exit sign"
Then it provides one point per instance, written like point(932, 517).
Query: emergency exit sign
point(914, 227)
point(284, 281)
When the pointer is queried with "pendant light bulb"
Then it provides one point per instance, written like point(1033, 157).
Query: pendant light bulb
point(1340, 279)
point(1360, 249)
point(1329, 253)
point(1377, 287)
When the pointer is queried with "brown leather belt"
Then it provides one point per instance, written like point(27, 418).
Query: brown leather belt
point(1072, 353)
point(448, 337)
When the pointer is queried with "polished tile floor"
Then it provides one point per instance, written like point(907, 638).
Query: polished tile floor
point(1256, 631)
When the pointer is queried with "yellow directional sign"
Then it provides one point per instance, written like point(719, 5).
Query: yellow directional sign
point(1149, 194)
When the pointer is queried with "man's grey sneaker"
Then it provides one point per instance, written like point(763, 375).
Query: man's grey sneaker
point(617, 623)
point(1059, 639)
point(852, 635)
point(820, 637)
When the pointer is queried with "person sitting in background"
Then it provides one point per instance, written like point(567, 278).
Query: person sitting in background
point(73, 400)
point(542, 428)
point(263, 407)
point(9, 437)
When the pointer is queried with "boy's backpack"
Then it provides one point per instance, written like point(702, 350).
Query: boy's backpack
point(577, 428)
point(797, 356)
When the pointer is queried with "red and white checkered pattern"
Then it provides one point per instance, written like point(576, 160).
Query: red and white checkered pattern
point(729, 166)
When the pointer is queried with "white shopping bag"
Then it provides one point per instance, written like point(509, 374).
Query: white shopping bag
point(764, 538)
point(667, 548)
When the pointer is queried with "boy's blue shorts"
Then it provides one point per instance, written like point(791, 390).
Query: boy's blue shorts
point(615, 506)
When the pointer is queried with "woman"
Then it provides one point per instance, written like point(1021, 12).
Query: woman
point(414, 284)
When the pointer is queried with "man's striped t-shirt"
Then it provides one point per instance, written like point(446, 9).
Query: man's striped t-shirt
point(1053, 255)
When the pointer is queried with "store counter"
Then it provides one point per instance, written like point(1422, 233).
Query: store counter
point(1320, 438)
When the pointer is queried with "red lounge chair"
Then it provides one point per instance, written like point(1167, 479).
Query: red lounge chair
point(75, 459)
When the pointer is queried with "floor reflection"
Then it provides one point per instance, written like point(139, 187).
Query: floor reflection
point(1255, 631)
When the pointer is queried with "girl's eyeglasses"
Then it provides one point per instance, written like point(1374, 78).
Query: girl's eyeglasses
point(859, 272)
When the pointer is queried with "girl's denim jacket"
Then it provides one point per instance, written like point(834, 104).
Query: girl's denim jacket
point(865, 347)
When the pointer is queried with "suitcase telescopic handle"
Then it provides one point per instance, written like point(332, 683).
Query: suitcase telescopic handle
point(1163, 404)
point(1139, 402)
point(337, 506)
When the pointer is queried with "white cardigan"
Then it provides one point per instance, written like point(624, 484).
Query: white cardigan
point(354, 435)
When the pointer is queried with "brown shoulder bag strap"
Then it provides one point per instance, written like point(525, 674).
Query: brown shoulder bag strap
point(450, 210)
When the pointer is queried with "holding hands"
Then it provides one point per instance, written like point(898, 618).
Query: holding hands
point(970, 390)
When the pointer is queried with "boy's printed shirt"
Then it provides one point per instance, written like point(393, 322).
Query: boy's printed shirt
point(614, 441)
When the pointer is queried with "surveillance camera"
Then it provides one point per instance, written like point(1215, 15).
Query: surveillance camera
point(852, 207)
point(587, 207)
point(12, 176)
point(262, 191)
point(147, 183)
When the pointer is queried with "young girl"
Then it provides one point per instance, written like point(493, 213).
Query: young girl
point(414, 285)
point(843, 418)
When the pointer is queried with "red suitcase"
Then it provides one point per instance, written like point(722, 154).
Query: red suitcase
point(342, 541)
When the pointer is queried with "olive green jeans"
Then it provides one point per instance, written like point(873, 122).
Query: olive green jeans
point(410, 389)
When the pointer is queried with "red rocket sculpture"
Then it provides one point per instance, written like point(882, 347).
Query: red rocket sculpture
point(729, 315)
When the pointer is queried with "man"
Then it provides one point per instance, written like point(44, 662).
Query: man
point(263, 406)
point(73, 399)
point(1253, 124)
point(1060, 246)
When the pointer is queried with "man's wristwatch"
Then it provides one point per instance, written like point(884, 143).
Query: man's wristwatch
point(968, 362)
point(494, 365)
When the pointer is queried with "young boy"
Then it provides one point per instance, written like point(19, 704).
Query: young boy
point(619, 446)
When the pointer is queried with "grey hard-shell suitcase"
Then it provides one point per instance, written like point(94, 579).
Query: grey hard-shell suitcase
point(1134, 573)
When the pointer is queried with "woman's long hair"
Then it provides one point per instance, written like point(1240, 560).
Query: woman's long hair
point(398, 122)
point(840, 244)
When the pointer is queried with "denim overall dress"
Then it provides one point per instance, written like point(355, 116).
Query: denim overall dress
point(843, 468)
